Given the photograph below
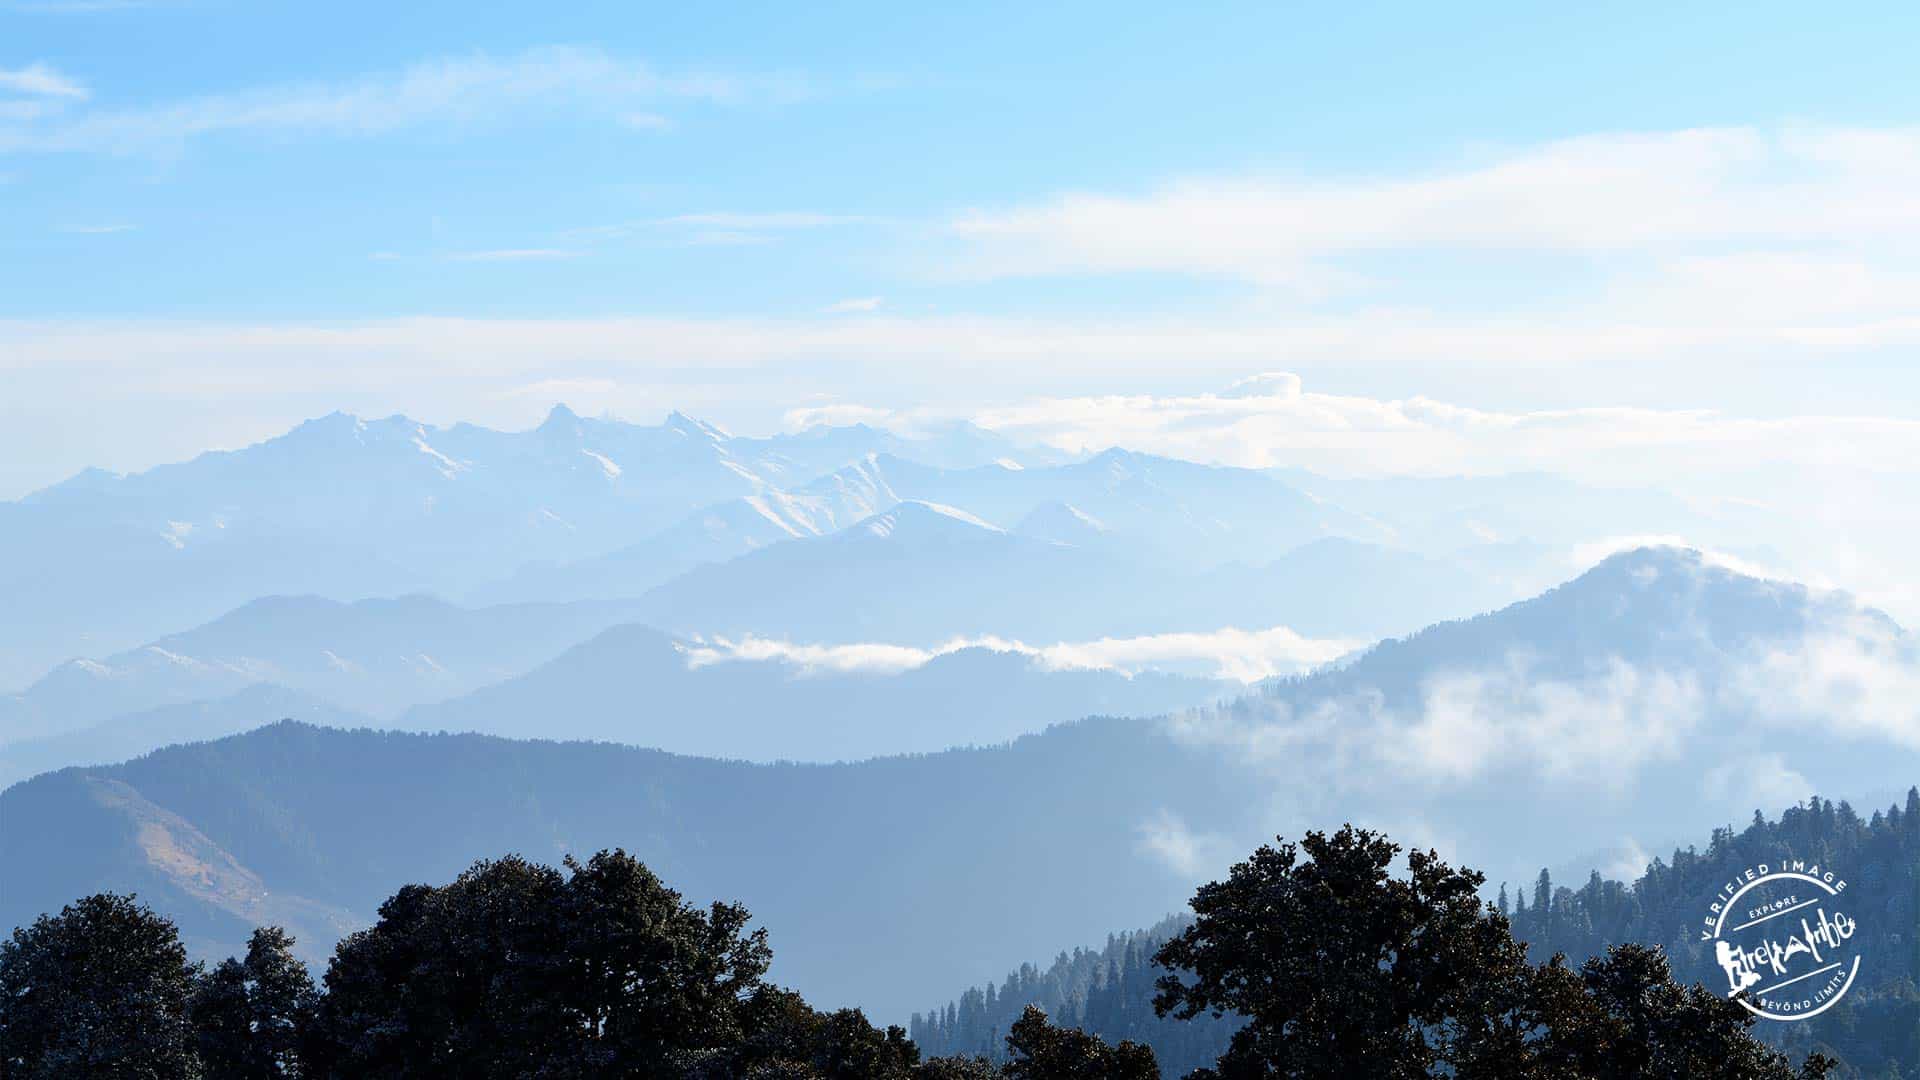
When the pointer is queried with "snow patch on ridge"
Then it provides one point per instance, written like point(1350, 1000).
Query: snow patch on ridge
point(607, 466)
point(448, 467)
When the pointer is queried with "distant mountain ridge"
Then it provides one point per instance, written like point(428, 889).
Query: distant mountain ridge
point(345, 507)
point(635, 685)
point(956, 574)
point(372, 656)
point(580, 670)
point(131, 734)
point(1643, 666)
point(577, 508)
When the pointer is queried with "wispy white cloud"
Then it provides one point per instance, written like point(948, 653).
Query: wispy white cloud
point(1849, 678)
point(1630, 860)
point(780, 219)
point(97, 230)
point(514, 255)
point(1680, 193)
point(726, 238)
point(28, 108)
point(1244, 655)
point(40, 80)
point(646, 121)
point(1472, 723)
point(77, 7)
point(1469, 724)
point(1168, 838)
point(475, 91)
point(1859, 681)
point(748, 224)
point(1278, 421)
point(855, 306)
point(868, 657)
point(1273, 420)
point(1847, 479)
point(1752, 780)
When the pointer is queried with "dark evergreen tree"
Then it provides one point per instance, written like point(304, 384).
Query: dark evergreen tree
point(101, 989)
point(1342, 969)
point(251, 1016)
point(1622, 1016)
point(782, 1036)
point(515, 969)
point(956, 1068)
point(223, 1020)
point(1037, 1050)
point(280, 1006)
point(1074, 992)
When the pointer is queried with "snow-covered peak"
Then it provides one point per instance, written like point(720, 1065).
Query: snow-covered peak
point(338, 430)
point(699, 429)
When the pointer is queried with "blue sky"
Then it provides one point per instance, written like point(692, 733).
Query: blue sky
point(220, 217)
point(899, 119)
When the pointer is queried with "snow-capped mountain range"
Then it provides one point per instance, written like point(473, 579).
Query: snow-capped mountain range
point(387, 564)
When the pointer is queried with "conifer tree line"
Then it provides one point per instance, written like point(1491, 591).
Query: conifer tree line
point(1316, 958)
point(1875, 1029)
point(1874, 1032)
point(1107, 991)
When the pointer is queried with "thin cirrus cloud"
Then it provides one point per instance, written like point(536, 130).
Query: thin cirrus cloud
point(40, 80)
point(76, 7)
point(474, 90)
point(727, 226)
point(782, 219)
point(511, 255)
point(646, 121)
point(1739, 192)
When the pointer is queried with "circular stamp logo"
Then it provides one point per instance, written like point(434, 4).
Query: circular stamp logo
point(1784, 940)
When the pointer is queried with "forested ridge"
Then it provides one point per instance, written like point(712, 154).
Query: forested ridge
point(1107, 992)
point(318, 826)
point(1332, 963)
point(1873, 1032)
point(1876, 1027)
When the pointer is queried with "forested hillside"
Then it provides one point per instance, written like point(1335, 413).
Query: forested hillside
point(1107, 992)
point(1637, 675)
point(1876, 1026)
point(1339, 963)
point(1873, 1032)
point(311, 828)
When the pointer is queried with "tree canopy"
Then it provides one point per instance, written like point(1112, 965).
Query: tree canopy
point(100, 989)
point(1329, 959)
point(1343, 968)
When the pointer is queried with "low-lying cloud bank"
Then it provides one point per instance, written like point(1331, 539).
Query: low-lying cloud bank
point(1753, 717)
point(1273, 419)
point(1229, 653)
point(1500, 763)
